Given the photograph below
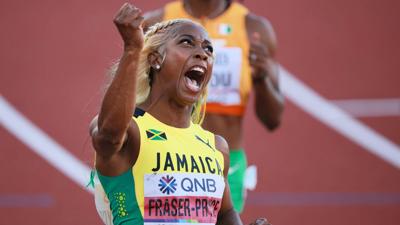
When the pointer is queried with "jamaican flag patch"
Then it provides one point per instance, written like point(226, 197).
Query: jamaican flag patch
point(156, 135)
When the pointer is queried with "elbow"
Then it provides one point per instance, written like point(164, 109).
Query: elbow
point(271, 121)
point(270, 115)
point(107, 138)
point(273, 124)
point(110, 139)
point(105, 145)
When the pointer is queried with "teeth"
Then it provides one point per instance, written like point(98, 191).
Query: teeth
point(199, 69)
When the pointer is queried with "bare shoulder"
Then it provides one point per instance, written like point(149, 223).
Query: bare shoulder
point(93, 125)
point(223, 147)
point(221, 144)
point(153, 17)
point(261, 25)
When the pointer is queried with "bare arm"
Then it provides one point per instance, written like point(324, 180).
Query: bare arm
point(269, 101)
point(109, 130)
point(227, 215)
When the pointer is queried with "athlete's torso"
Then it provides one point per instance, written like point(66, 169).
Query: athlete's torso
point(177, 177)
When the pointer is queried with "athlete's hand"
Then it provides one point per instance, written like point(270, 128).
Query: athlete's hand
point(260, 221)
point(259, 58)
point(129, 21)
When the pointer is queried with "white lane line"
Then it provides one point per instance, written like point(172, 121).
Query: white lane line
point(334, 117)
point(370, 107)
point(43, 145)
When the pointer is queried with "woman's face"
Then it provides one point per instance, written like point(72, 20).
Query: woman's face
point(187, 67)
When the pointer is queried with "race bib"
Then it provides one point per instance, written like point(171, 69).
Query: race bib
point(224, 86)
point(180, 198)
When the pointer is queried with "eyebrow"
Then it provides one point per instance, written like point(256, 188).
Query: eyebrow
point(193, 38)
point(187, 35)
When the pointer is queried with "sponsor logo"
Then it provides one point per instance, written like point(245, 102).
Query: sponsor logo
point(233, 169)
point(195, 185)
point(167, 184)
point(181, 184)
point(156, 135)
point(204, 142)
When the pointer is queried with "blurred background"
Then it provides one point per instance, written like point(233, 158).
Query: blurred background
point(334, 160)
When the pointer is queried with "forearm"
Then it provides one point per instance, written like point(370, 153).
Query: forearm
point(119, 100)
point(269, 102)
point(230, 217)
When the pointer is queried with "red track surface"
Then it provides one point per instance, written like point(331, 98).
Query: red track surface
point(54, 56)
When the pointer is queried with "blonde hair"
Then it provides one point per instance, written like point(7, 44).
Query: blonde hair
point(154, 41)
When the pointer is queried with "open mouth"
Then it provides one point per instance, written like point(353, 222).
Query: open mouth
point(194, 77)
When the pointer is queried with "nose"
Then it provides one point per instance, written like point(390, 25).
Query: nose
point(201, 54)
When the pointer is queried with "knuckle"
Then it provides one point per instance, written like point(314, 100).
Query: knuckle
point(116, 21)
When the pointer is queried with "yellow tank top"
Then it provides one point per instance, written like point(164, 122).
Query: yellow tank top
point(230, 85)
point(178, 174)
point(177, 178)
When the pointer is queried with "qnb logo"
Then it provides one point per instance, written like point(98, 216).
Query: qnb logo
point(167, 184)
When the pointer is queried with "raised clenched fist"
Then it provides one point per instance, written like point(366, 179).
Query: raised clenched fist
point(129, 23)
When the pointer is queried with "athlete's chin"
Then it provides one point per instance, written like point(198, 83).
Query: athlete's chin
point(188, 98)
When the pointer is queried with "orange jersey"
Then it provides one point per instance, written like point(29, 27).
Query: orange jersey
point(230, 84)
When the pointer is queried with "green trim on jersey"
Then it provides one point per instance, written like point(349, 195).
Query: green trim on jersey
point(120, 190)
point(236, 175)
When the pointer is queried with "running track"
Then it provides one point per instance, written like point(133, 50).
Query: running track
point(54, 57)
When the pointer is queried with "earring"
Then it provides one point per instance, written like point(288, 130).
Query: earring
point(157, 67)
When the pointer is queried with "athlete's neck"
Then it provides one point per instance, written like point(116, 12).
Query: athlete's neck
point(168, 111)
point(205, 8)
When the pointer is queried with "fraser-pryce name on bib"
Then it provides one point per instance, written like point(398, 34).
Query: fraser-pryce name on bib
point(182, 198)
point(224, 86)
